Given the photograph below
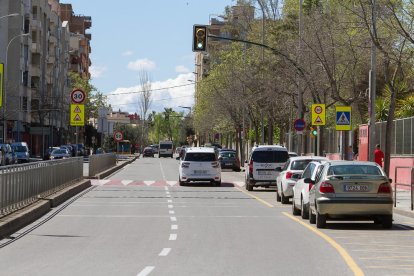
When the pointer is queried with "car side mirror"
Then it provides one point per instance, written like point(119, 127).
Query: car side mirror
point(279, 169)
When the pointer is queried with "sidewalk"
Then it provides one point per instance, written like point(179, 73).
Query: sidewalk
point(403, 206)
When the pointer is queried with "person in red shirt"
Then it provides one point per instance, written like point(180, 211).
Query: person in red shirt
point(378, 155)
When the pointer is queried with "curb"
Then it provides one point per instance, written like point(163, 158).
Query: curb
point(63, 195)
point(23, 217)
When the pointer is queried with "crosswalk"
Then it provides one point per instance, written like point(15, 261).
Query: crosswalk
point(152, 183)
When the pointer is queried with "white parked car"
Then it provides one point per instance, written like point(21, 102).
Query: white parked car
point(201, 165)
point(261, 168)
point(289, 175)
point(300, 200)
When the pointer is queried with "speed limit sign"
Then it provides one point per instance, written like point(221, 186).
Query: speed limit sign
point(77, 96)
point(118, 136)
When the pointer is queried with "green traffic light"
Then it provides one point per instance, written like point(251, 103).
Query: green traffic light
point(200, 45)
point(315, 132)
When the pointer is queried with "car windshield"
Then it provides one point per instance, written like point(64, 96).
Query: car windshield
point(165, 146)
point(20, 148)
point(59, 151)
point(200, 156)
point(300, 164)
point(270, 156)
point(354, 169)
point(228, 154)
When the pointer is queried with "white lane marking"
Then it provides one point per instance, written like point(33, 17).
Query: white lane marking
point(146, 271)
point(126, 182)
point(162, 171)
point(166, 188)
point(171, 212)
point(149, 182)
point(173, 237)
point(172, 183)
point(103, 181)
point(174, 227)
point(173, 218)
point(170, 206)
point(168, 196)
point(164, 252)
point(167, 193)
point(239, 183)
point(169, 201)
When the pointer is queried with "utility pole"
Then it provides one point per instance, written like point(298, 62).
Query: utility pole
point(263, 42)
point(300, 100)
point(372, 85)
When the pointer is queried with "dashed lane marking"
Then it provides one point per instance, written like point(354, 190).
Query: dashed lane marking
point(174, 227)
point(171, 212)
point(154, 183)
point(173, 218)
point(173, 237)
point(170, 206)
point(164, 252)
point(146, 271)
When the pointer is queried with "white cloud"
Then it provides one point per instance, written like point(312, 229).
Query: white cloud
point(141, 64)
point(178, 92)
point(127, 53)
point(181, 69)
point(96, 71)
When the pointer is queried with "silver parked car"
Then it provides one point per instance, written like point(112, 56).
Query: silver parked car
point(351, 190)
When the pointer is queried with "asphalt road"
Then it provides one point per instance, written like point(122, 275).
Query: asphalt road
point(140, 222)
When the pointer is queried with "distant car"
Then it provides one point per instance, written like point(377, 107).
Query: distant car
point(46, 156)
point(262, 164)
point(229, 160)
point(351, 190)
point(289, 175)
point(22, 151)
point(7, 154)
point(155, 148)
point(292, 154)
point(148, 152)
point(301, 189)
point(166, 149)
point(177, 150)
point(182, 151)
point(199, 164)
point(100, 151)
point(61, 153)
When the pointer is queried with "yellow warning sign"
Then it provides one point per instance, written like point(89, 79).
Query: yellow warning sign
point(77, 114)
point(318, 115)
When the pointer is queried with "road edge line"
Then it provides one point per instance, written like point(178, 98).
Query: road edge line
point(344, 254)
point(255, 197)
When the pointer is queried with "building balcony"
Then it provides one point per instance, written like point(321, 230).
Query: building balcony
point(35, 71)
point(36, 48)
point(51, 59)
point(36, 24)
point(52, 39)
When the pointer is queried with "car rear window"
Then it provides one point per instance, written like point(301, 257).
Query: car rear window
point(271, 156)
point(200, 156)
point(228, 154)
point(354, 169)
point(300, 164)
point(165, 146)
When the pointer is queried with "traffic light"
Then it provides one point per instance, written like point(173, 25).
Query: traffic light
point(313, 132)
point(199, 38)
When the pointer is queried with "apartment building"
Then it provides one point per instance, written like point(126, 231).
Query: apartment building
point(39, 46)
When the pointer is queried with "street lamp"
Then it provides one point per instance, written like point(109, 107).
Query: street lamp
point(6, 83)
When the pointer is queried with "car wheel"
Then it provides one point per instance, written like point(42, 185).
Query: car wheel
point(218, 183)
point(386, 221)
point(312, 217)
point(181, 183)
point(304, 211)
point(295, 211)
point(278, 199)
point(283, 198)
point(320, 220)
point(249, 186)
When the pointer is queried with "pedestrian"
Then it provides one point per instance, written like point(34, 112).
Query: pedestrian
point(350, 153)
point(378, 155)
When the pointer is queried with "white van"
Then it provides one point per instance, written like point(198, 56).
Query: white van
point(262, 166)
point(166, 149)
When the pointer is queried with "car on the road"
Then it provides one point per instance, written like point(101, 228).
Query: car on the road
point(200, 164)
point(46, 156)
point(261, 166)
point(7, 158)
point(289, 174)
point(155, 148)
point(166, 149)
point(300, 199)
point(182, 151)
point(148, 152)
point(100, 151)
point(351, 190)
point(22, 151)
point(61, 153)
point(229, 160)
point(292, 154)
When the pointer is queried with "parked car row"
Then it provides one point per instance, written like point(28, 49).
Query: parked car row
point(14, 153)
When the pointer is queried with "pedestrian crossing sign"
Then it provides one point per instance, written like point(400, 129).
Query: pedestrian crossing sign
point(343, 118)
point(77, 114)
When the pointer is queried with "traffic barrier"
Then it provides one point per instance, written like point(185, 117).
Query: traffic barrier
point(101, 162)
point(22, 185)
point(396, 184)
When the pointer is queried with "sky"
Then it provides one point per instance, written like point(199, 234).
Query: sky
point(154, 36)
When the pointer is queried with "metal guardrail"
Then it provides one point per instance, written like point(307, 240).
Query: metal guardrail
point(22, 185)
point(411, 185)
point(101, 162)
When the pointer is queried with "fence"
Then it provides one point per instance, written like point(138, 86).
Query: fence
point(402, 138)
point(21, 185)
point(402, 184)
point(100, 162)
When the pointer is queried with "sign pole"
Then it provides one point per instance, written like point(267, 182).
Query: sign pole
point(318, 139)
point(76, 149)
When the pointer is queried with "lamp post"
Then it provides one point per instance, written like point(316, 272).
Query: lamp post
point(6, 83)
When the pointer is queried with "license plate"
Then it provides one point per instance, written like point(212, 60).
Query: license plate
point(229, 164)
point(199, 172)
point(264, 173)
point(356, 188)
